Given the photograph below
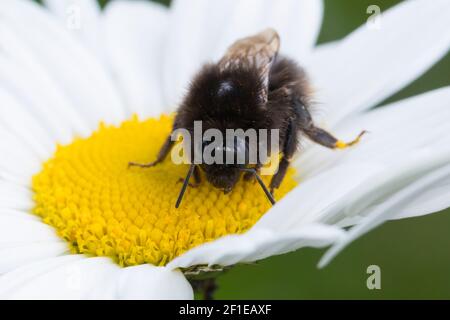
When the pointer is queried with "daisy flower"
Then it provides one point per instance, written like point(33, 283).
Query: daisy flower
point(83, 91)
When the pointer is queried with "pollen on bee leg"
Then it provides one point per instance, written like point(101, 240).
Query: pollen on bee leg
point(343, 145)
point(103, 208)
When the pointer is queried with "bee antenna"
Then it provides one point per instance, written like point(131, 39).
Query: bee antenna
point(185, 184)
point(261, 183)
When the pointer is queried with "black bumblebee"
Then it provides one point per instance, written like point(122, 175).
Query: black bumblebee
point(251, 87)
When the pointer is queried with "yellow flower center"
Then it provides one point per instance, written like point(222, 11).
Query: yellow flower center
point(103, 208)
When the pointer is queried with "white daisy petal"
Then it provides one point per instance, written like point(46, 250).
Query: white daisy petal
point(15, 119)
point(388, 207)
point(257, 244)
point(18, 230)
point(82, 18)
point(310, 235)
point(370, 65)
point(433, 199)
point(14, 280)
point(396, 132)
point(204, 29)
point(19, 214)
point(82, 77)
point(315, 197)
point(20, 58)
point(194, 33)
point(408, 133)
point(249, 17)
point(62, 278)
point(16, 256)
point(135, 34)
point(17, 163)
point(386, 185)
point(13, 196)
point(298, 23)
point(92, 278)
point(26, 88)
point(153, 283)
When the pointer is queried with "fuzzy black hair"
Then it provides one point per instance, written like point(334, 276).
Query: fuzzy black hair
point(224, 99)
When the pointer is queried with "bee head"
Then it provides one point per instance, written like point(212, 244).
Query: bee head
point(223, 177)
point(223, 163)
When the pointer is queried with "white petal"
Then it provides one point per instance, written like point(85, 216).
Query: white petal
point(135, 34)
point(19, 214)
point(16, 256)
point(388, 208)
point(397, 132)
point(433, 199)
point(195, 30)
point(13, 196)
point(21, 231)
point(81, 18)
point(77, 277)
point(298, 23)
point(71, 279)
point(370, 65)
point(315, 197)
point(14, 118)
point(17, 163)
point(248, 17)
point(26, 88)
point(153, 283)
point(82, 77)
point(201, 31)
point(13, 281)
point(256, 244)
point(91, 278)
point(405, 135)
point(20, 58)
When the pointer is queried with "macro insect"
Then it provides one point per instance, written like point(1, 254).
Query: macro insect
point(251, 87)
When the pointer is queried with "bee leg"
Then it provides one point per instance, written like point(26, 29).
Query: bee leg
point(289, 149)
point(167, 146)
point(197, 177)
point(278, 178)
point(319, 135)
point(326, 139)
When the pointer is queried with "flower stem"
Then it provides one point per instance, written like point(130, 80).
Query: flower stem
point(206, 287)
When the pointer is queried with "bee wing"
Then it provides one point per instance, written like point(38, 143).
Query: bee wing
point(257, 51)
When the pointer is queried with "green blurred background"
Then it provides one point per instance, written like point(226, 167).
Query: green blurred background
point(413, 254)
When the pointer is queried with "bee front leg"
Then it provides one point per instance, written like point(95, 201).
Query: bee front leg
point(278, 178)
point(319, 135)
point(289, 149)
point(167, 146)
